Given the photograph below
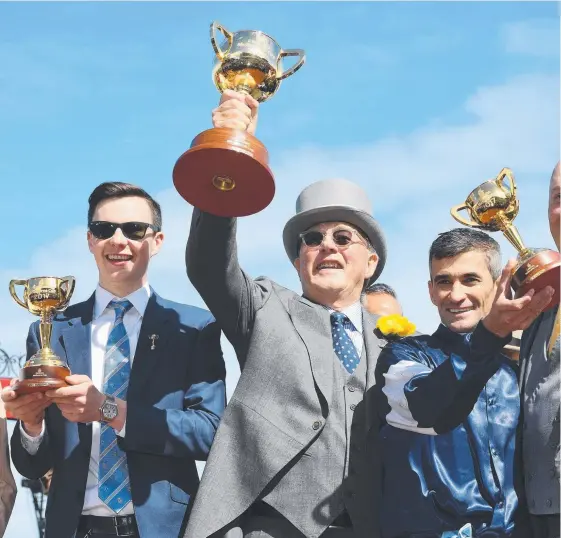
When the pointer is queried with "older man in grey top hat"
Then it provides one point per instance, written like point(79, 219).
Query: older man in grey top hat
point(539, 383)
point(295, 454)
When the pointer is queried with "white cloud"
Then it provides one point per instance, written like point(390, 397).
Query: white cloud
point(413, 181)
point(534, 37)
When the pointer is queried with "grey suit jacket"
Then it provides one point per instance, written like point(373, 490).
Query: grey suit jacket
point(284, 347)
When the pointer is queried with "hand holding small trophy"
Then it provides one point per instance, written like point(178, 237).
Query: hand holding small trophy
point(226, 171)
point(43, 296)
point(493, 206)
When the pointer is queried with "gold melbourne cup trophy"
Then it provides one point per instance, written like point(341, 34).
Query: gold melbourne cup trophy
point(43, 296)
point(493, 206)
point(226, 171)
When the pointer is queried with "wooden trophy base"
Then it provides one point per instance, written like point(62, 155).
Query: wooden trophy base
point(225, 173)
point(538, 271)
point(41, 378)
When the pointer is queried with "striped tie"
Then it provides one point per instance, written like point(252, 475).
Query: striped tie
point(113, 475)
point(342, 343)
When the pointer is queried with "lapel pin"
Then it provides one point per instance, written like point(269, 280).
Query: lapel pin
point(153, 337)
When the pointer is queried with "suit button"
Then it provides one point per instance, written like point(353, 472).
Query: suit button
point(352, 407)
point(316, 425)
point(548, 503)
point(530, 476)
point(351, 388)
point(500, 504)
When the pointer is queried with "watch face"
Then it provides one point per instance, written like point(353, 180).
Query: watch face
point(109, 410)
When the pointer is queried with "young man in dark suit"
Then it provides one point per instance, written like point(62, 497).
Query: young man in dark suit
point(145, 395)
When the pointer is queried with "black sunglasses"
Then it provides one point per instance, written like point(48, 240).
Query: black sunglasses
point(136, 231)
point(314, 238)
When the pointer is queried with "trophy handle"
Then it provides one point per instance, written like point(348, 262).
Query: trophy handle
point(291, 70)
point(13, 293)
point(70, 282)
point(455, 212)
point(500, 180)
point(228, 35)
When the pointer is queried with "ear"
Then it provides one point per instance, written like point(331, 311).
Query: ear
point(157, 243)
point(91, 241)
point(431, 292)
point(296, 264)
point(371, 264)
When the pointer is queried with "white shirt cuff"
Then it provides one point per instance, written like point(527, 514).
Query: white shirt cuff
point(121, 432)
point(31, 444)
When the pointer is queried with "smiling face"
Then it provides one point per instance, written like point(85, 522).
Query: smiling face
point(123, 263)
point(462, 289)
point(332, 275)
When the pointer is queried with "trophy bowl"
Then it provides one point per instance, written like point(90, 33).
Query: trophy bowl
point(43, 297)
point(226, 171)
point(492, 207)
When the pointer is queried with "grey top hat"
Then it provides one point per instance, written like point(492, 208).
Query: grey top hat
point(334, 200)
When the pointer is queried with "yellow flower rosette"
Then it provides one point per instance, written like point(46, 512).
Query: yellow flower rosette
point(395, 325)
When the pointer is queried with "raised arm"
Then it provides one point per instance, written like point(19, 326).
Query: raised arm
point(212, 258)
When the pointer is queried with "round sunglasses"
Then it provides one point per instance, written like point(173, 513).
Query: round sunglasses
point(342, 238)
point(102, 229)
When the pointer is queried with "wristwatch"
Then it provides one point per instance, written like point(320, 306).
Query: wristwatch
point(108, 410)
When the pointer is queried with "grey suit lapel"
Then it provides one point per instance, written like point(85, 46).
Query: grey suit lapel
point(373, 347)
point(312, 323)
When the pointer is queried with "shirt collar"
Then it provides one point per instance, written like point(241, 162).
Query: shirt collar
point(139, 299)
point(353, 312)
point(450, 336)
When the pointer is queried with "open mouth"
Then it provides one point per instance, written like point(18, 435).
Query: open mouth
point(328, 265)
point(457, 311)
point(118, 257)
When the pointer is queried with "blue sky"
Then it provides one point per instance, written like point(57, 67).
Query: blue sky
point(417, 102)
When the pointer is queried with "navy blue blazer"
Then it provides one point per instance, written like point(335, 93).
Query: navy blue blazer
point(175, 400)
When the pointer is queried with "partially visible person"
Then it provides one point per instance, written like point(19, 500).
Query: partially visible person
point(8, 489)
point(145, 396)
point(539, 385)
point(450, 402)
point(381, 299)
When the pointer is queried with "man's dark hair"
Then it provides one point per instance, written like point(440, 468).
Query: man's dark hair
point(461, 240)
point(115, 190)
point(379, 287)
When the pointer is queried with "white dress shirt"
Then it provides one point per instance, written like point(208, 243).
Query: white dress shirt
point(102, 323)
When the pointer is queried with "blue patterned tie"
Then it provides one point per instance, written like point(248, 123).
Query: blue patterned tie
point(113, 475)
point(342, 343)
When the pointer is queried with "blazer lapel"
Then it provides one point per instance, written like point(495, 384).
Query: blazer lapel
point(312, 323)
point(158, 322)
point(76, 337)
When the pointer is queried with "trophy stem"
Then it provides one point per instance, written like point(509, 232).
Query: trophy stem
point(46, 329)
point(512, 234)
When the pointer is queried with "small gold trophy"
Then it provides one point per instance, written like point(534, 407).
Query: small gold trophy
point(493, 206)
point(43, 296)
point(226, 171)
